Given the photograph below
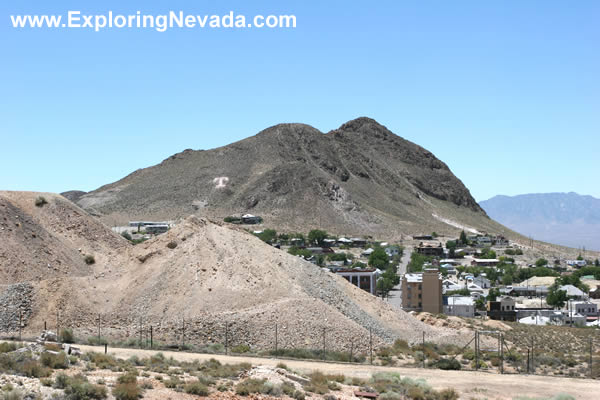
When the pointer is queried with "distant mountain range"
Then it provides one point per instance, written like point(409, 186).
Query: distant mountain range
point(567, 219)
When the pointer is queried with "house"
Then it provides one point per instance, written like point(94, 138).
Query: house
point(344, 241)
point(595, 293)
point(358, 242)
point(251, 219)
point(449, 268)
point(535, 320)
point(586, 308)
point(460, 306)
point(484, 262)
point(573, 291)
point(328, 242)
point(392, 251)
point(473, 288)
point(366, 279)
point(503, 309)
point(573, 318)
point(577, 263)
point(156, 229)
point(501, 241)
point(430, 249)
point(423, 291)
point(367, 252)
point(450, 261)
point(450, 286)
point(482, 281)
point(423, 237)
point(526, 291)
point(484, 241)
point(320, 250)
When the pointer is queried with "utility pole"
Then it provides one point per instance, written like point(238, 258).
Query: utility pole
point(477, 350)
point(371, 344)
point(423, 349)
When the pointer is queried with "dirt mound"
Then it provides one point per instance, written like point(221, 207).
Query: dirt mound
point(209, 276)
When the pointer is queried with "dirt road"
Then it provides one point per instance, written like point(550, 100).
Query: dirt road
point(471, 385)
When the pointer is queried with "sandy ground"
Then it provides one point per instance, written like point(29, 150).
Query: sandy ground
point(471, 385)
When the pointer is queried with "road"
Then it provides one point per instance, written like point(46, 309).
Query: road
point(470, 384)
point(395, 296)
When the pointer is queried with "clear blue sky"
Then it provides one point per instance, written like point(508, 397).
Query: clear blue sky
point(507, 93)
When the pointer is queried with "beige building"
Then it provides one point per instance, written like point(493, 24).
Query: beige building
point(423, 292)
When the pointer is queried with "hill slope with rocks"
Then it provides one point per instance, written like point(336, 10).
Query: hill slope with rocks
point(568, 219)
point(200, 272)
point(358, 179)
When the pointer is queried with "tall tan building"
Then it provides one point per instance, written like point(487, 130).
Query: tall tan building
point(423, 292)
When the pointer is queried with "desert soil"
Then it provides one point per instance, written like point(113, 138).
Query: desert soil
point(471, 385)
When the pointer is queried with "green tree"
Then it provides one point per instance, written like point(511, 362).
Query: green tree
point(451, 245)
point(384, 285)
point(597, 263)
point(379, 259)
point(487, 253)
point(296, 251)
point(579, 258)
point(556, 297)
point(317, 236)
point(541, 262)
point(268, 235)
point(493, 294)
point(463, 238)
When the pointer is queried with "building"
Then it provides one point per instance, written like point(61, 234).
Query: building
point(482, 282)
point(460, 306)
point(423, 237)
point(577, 263)
point(366, 279)
point(586, 308)
point(595, 292)
point(573, 291)
point(484, 262)
point(423, 292)
point(358, 242)
point(430, 249)
point(156, 229)
point(503, 309)
point(451, 286)
point(392, 251)
point(484, 241)
point(251, 219)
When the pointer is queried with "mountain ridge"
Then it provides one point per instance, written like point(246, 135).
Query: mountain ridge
point(358, 178)
point(567, 219)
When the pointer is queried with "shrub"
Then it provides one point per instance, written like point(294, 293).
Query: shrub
point(249, 386)
point(448, 364)
point(7, 347)
point(40, 201)
point(240, 348)
point(33, 369)
point(448, 394)
point(196, 388)
point(78, 387)
point(127, 391)
point(54, 361)
point(171, 245)
point(89, 259)
point(126, 235)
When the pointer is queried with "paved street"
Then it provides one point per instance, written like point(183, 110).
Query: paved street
point(395, 297)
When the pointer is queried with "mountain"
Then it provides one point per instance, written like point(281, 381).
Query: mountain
point(207, 273)
point(567, 219)
point(358, 179)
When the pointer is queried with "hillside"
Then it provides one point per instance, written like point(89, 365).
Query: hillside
point(203, 272)
point(567, 219)
point(358, 179)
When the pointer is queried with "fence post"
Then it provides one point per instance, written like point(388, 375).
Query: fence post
point(323, 356)
point(528, 361)
point(140, 343)
point(226, 338)
point(476, 350)
point(423, 349)
point(371, 344)
point(351, 350)
point(57, 326)
point(275, 340)
point(45, 326)
point(591, 360)
point(105, 348)
point(532, 352)
point(501, 353)
point(20, 323)
point(183, 333)
point(151, 344)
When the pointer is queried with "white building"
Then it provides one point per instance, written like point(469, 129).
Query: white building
point(460, 306)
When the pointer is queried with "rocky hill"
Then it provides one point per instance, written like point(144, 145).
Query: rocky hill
point(200, 273)
point(568, 219)
point(358, 179)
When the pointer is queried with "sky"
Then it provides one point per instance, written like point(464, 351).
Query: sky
point(507, 93)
